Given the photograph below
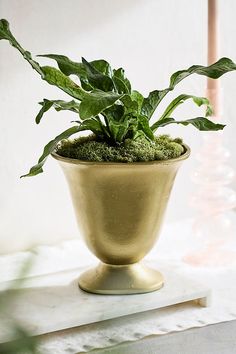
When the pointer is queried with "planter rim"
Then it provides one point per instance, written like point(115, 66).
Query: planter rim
point(69, 160)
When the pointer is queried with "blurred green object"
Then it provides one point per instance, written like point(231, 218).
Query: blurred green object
point(20, 341)
point(23, 344)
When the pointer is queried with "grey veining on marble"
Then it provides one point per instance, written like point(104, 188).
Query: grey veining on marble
point(54, 302)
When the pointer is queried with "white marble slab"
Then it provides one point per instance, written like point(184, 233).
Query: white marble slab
point(54, 302)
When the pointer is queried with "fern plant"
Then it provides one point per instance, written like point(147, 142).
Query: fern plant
point(106, 104)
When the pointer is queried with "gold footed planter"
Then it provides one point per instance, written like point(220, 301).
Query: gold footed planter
point(121, 279)
point(119, 209)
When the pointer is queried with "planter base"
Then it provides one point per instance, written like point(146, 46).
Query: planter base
point(121, 279)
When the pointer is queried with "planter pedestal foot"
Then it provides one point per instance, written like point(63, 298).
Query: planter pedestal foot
point(133, 278)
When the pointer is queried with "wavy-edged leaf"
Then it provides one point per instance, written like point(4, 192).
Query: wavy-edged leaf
point(96, 78)
point(55, 77)
point(139, 134)
point(137, 97)
point(59, 105)
point(6, 34)
point(151, 102)
point(144, 126)
point(122, 84)
point(116, 111)
point(105, 133)
point(92, 124)
point(129, 104)
point(46, 105)
point(201, 123)
point(70, 67)
point(181, 99)
point(96, 102)
point(119, 130)
point(102, 66)
point(52, 75)
point(214, 71)
point(49, 148)
point(67, 66)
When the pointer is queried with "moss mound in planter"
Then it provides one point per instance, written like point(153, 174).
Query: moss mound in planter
point(91, 149)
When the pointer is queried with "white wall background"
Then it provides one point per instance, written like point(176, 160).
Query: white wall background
point(149, 38)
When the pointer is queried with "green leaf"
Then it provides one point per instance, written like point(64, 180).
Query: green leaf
point(214, 71)
point(181, 99)
point(137, 97)
point(5, 30)
point(118, 130)
point(139, 134)
point(70, 67)
point(97, 79)
point(130, 105)
point(46, 105)
point(116, 111)
point(102, 66)
point(49, 148)
point(144, 126)
point(6, 34)
point(204, 101)
point(67, 66)
point(93, 124)
point(201, 123)
point(96, 102)
point(52, 75)
point(59, 105)
point(72, 106)
point(151, 102)
point(55, 77)
point(122, 84)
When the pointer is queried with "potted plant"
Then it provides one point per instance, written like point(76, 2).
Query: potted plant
point(120, 177)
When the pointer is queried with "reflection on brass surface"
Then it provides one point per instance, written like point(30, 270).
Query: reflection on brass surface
point(119, 209)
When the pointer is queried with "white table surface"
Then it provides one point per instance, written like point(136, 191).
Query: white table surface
point(222, 280)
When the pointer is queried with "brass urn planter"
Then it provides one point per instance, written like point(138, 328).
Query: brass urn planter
point(120, 209)
point(119, 206)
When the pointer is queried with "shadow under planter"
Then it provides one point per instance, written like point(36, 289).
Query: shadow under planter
point(120, 208)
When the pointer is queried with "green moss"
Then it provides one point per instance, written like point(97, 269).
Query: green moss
point(91, 149)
